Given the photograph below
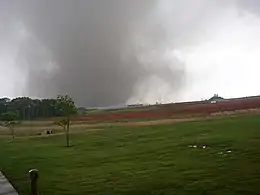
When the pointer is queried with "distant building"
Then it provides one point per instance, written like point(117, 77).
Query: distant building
point(135, 105)
point(82, 111)
point(216, 98)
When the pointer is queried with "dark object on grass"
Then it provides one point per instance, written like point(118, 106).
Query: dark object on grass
point(46, 132)
point(49, 132)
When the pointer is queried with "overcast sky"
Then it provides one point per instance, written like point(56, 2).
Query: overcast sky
point(109, 52)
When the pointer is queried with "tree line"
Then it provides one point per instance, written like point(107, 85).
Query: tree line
point(29, 109)
point(12, 111)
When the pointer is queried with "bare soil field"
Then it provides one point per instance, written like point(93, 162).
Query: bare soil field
point(179, 110)
point(162, 114)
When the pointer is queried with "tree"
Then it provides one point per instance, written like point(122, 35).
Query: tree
point(62, 123)
point(67, 108)
point(4, 103)
point(10, 121)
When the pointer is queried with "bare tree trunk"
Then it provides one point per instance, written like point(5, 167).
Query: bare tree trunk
point(12, 132)
point(68, 133)
point(67, 137)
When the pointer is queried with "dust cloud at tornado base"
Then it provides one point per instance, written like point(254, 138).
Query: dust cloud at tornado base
point(107, 52)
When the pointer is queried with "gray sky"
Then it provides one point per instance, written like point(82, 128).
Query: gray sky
point(110, 52)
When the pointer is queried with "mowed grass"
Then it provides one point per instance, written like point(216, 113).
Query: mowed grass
point(142, 160)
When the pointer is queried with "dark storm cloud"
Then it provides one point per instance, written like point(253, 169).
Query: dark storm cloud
point(99, 51)
point(86, 48)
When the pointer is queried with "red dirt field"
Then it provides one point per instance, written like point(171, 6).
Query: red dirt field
point(177, 110)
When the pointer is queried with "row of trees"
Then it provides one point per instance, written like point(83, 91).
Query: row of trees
point(12, 111)
point(28, 109)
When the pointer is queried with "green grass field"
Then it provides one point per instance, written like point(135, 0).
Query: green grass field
point(154, 160)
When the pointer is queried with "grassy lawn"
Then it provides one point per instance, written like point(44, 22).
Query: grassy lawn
point(142, 160)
